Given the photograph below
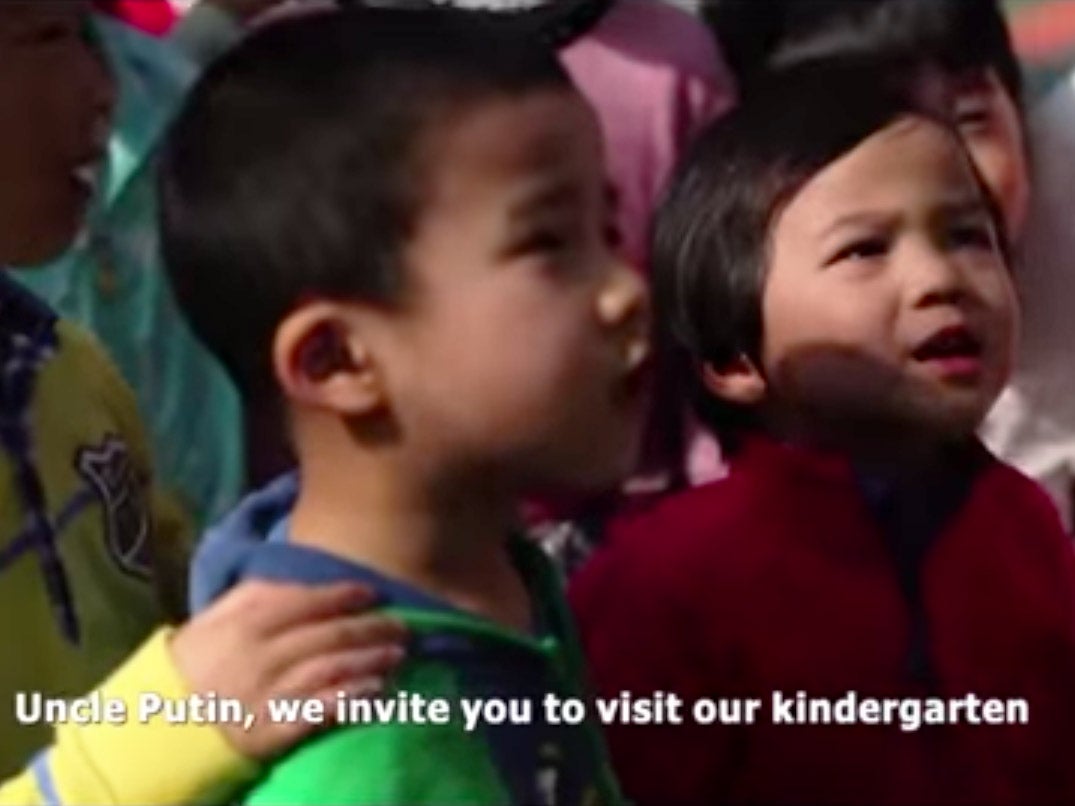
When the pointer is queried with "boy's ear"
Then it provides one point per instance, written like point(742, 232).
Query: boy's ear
point(739, 381)
point(321, 360)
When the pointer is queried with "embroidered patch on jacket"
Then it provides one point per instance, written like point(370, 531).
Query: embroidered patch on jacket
point(121, 489)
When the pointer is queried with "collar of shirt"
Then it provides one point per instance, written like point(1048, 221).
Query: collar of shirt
point(24, 316)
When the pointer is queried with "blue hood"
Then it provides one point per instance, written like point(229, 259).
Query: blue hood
point(226, 551)
point(252, 542)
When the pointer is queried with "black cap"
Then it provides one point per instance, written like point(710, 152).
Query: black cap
point(557, 22)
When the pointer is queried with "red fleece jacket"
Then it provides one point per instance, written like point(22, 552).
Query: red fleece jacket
point(779, 579)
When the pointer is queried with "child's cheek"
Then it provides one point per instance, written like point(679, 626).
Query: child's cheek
point(998, 156)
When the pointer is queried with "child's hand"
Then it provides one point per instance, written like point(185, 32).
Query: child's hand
point(267, 640)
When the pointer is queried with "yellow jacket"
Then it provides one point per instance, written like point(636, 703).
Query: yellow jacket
point(90, 558)
point(152, 763)
point(76, 600)
point(81, 595)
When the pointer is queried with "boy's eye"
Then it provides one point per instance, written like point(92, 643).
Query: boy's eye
point(862, 249)
point(613, 235)
point(543, 241)
point(976, 236)
point(973, 120)
point(48, 33)
point(973, 114)
point(88, 32)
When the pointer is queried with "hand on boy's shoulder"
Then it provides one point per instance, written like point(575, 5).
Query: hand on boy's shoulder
point(267, 640)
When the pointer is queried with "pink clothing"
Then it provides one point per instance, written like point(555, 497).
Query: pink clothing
point(152, 16)
point(655, 77)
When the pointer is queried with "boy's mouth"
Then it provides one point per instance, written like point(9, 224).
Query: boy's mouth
point(952, 351)
point(86, 175)
point(635, 380)
point(86, 172)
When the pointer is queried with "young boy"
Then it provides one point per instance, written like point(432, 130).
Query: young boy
point(1032, 424)
point(81, 542)
point(398, 223)
point(830, 260)
point(678, 84)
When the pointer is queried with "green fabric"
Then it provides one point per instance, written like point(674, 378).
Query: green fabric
point(444, 764)
point(415, 764)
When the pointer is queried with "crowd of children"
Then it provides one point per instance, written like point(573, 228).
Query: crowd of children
point(418, 277)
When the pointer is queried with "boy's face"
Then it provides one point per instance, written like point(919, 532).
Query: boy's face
point(56, 96)
point(887, 301)
point(990, 125)
point(521, 347)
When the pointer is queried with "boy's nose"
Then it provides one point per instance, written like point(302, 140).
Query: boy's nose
point(98, 80)
point(103, 88)
point(937, 279)
point(623, 305)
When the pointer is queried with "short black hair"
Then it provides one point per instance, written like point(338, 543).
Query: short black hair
point(712, 231)
point(293, 169)
point(956, 35)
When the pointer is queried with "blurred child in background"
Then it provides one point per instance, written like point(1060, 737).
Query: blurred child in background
point(111, 281)
point(1033, 423)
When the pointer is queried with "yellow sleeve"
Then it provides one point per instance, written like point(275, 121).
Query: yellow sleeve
point(22, 789)
point(172, 532)
point(152, 763)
